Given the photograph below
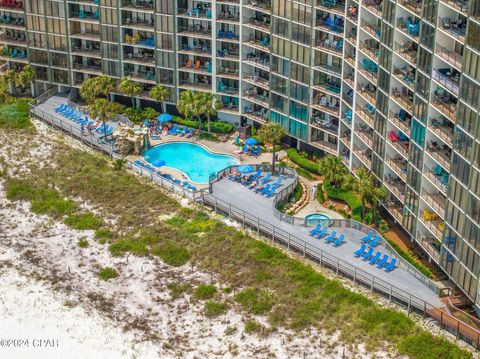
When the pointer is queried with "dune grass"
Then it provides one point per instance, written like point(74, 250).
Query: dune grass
point(107, 273)
point(267, 281)
point(15, 116)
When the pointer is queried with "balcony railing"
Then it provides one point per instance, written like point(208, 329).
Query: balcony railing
point(332, 5)
point(452, 57)
point(403, 98)
point(399, 165)
point(262, 6)
point(456, 28)
point(364, 158)
point(441, 154)
point(433, 227)
point(412, 5)
point(443, 131)
point(430, 245)
point(404, 125)
point(407, 51)
point(396, 210)
point(439, 181)
point(325, 145)
point(460, 5)
point(365, 115)
point(367, 137)
point(196, 85)
point(396, 186)
point(450, 83)
point(447, 108)
point(436, 201)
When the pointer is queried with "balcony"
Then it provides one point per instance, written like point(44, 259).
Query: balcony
point(330, 106)
point(443, 128)
point(92, 36)
point(332, 6)
point(91, 17)
point(456, 28)
point(331, 24)
point(196, 31)
point(366, 114)
point(345, 138)
point(228, 15)
point(396, 209)
point(409, 27)
point(430, 245)
point(373, 30)
point(399, 165)
point(334, 47)
point(364, 156)
point(368, 92)
point(263, 45)
point(256, 80)
point(142, 76)
point(330, 86)
point(324, 145)
point(369, 70)
point(404, 98)
point(324, 123)
point(439, 177)
point(445, 103)
point(138, 5)
point(329, 69)
point(138, 23)
point(435, 201)
point(12, 22)
point(375, 6)
point(139, 58)
point(448, 78)
point(257, 114)
point(195, 66)
point(400, 142)
point(349, 79)
point(259, 23)
point(408, 51)
point(259, 5)
point(460, 5)
point(12, 6)
point(138, 40)
point(260, 61)
point(452, 57)
point(401, 120)
point(441, 153)
point(197, 13)
point(88, 68)
point(364, 133)
point(14, 54)
point(352, 13)
point(195, 85)
point(433, 226)
point(258, 96)
point(228, 72)
point(87, 51)
point(396, 186)
point(371, 49)
point(414, 6)
point(14, 38)
point(406, 75)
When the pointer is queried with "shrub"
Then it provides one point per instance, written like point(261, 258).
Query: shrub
point(134, 114)
point(304, 173)
point(172, 254)
point(205, 291)
point(304, 163)
point(107, 273)
point(83, 243)
point(103, 235)
point(215, 126)
point(347, 196)
point(15, 116)
point(83, 221)
point(255, 301)
point(252, 326)
point(215, 309)
point(410, 259)
point(382, 226)
point(208, 137)
point(298, 192)
point(177, 289)
point(320, 194)
point(119, 248)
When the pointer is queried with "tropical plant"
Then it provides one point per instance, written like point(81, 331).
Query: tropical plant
point(363, 184)
point(149, 113)
point(96, 87)
point(27, 76)
point(210, 107)
point(377, 195)
point(11, 77)
point(271, 133)
point(159, 94)
point(105, 110)
point(333, 168)
point(190, 104)
point(4, 89)
point(130, 88)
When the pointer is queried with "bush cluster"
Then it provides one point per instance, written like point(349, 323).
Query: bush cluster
point(215, 126)
point(303, 162)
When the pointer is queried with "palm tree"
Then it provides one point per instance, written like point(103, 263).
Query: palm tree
point(190, 104)
point(149, 113)
point(105, 110)
point(333, 168)
point(377, 195)
point(27, 76)
point(160, 94)
point(11, 77)
point(96, 87)
point(130, 88)
point(210, 107)
point(3, 89)
point(363, 184)
point(271, 133)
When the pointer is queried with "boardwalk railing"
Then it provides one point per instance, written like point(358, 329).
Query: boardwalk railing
point(394, 294)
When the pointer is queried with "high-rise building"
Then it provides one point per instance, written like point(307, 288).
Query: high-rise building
point(392, 86)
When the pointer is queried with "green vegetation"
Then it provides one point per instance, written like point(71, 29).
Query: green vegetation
point(290, 292)
point(208, 137)
point(216, 127)
point(205, 291)
point(172, 254)
point(178, 289)
point(412, 260)
point(303, 162)
point(15, 116)
point(102, 235)
point(251, 326)
point(83, 221)
point(83, 243)
point(272, 133)
point(230, 331)
point(304, 173)
point(297, 192)
point(320, 194)
point(333, 169)
point(215, 309)
point(347, 196)
point(107, 273)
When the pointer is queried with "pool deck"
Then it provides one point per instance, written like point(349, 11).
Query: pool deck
point(262, 207)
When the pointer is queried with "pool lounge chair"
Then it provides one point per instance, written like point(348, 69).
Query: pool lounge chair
point(376, 241)
point(360, 251)
point(315, 230)
point(367, 238)
point(339, 241)
point(375, 258)
point(383, 261)
point(271, 192)
point(263, 190)
point(391, 266)
point(322, 233)
point(61, 108)
point(266, 178)
point(190, 133)
point(331, 237)
point(368, 254)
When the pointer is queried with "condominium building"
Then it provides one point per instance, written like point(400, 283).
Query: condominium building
point(392, 86)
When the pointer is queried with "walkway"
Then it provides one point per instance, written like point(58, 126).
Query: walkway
point(237, 195)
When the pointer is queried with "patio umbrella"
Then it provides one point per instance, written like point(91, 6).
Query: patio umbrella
point(164, 117)
point(244, 169)
point(250, 141)
point(158, 163)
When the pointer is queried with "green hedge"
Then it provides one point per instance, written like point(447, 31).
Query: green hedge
point(215, 126)
point(351, 198)
point(306, 164)
point(414, 262)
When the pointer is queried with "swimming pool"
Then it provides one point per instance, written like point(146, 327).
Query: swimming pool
point(315, 218)
point(194, 160)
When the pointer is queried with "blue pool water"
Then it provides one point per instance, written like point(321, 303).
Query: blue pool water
point(317, 218)
point(192, 159)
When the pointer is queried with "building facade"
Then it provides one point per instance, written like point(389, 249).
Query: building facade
point(392, 86)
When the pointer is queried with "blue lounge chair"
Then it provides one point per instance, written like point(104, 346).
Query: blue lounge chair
point(266, 178)
point(139, 163)
point(60, 108)
point(271, 192)
point(322, 233)
point(368, 254)
point(360, 251)
point(368, 237)
point(265, 189)
point(391, 266)
point(331, 237)
point(340, 240)
point(383, 261)
point(376, 241)
point(316, 229)
point(375, 258)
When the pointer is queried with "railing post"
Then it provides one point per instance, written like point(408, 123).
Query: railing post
point(373, 283)
point(273, 233)
point(258, 226)
point(304, 249)
point(215, 208)
point(229, 210)
point(243, 223)
point(390, 294)
point(354, 274)
point(409, 302)
point(338, 264)
point(288, 242)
